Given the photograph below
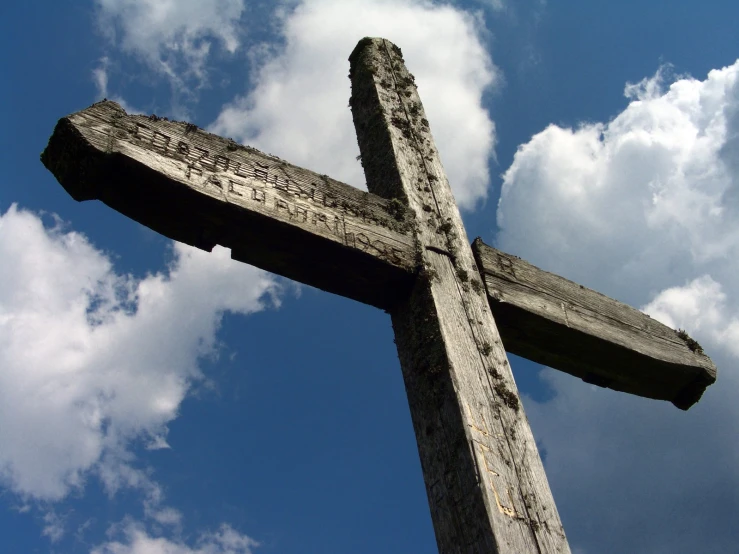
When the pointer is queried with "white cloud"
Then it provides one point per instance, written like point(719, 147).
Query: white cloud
point(654, 189)
point(298, 108)
point(100, 77)
point(175, 38)
point(643, 208)
point(702, 306)
point(167, 516)
point(93, 361)
point(137, 541)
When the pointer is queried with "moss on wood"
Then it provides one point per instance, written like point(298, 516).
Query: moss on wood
point(691, 342)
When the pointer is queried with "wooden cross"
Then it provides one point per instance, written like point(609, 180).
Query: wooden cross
point(401, 247)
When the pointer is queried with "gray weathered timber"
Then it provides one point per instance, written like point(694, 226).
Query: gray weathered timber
point(204, 190)
point(484, 479)
point(553, 321)
point(403, 249)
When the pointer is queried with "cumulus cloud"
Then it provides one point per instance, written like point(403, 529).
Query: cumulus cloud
point(656, 185)
point(643, 208)
point(94, 362)
point(137, 541)
point(175, 38)
point(297, 109)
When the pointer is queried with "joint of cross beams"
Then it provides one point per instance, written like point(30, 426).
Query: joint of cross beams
point(441, 251)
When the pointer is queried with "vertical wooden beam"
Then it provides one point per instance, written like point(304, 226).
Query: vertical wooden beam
point(485, 481)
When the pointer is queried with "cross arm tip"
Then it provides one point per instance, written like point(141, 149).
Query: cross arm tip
point(693, 391)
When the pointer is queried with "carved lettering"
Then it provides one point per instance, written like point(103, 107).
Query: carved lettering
point(258, 196)
point(282, 184)
point(154, 138)
point(232, 187)
point(202, 157)
point(301, 214)
point(317, 196)
point(308, 192)
point(320, 220)
point(192, 169)
point(143, 132)
point(363, 242)
point(293, 188)
point(213, 180)
point(377, 247)
point(261, 174)
point(201, 161)
point(222, 163)
point(280, 204)
point(160, 141)
point(244, 170)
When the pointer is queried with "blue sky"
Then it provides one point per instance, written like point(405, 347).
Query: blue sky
point(157, 399)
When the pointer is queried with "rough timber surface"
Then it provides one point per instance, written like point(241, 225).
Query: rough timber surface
point(485, 482)
point(553, 321)
point(203, 190)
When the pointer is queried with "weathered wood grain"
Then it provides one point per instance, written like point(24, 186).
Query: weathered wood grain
point(403, 249)
point(485, 482)
point(204, 190)
point(553, 321)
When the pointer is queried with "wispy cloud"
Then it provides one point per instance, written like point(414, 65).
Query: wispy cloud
point(175, 40)
point(136, 540)
point(100, 76)
point(53, 526)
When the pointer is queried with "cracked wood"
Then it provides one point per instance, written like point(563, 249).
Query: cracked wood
point(203, 190)
point(485, 482)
